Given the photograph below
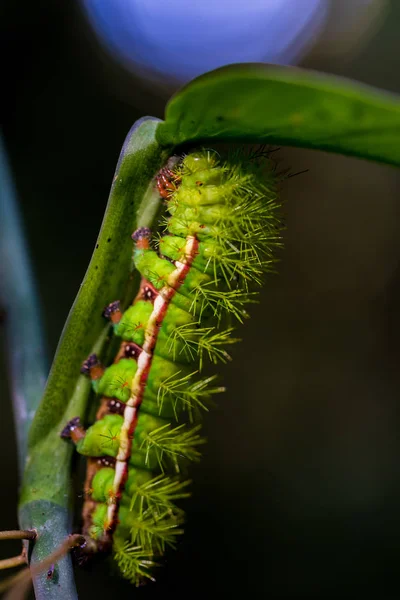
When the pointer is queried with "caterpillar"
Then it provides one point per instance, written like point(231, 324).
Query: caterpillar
point(217, 236)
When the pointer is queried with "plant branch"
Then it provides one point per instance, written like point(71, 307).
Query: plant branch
point(18, 534)
point(14, 561)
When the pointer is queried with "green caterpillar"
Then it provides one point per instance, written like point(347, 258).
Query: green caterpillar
point(221, 225)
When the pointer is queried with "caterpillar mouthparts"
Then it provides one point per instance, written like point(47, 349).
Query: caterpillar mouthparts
point(220, 229)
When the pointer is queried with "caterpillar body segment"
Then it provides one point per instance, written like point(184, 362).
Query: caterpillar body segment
point(220, 229)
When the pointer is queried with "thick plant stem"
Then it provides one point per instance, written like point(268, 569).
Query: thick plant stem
point(53, 542)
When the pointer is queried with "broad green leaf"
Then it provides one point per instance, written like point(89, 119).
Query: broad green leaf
point(285, 105)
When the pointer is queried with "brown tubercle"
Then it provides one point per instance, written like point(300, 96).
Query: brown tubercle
point(146, 291)
point(115, 406)
point(128, 350)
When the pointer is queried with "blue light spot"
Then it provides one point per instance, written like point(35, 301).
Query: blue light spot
point(180, 39)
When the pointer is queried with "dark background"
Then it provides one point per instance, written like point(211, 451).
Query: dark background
point(298, 493)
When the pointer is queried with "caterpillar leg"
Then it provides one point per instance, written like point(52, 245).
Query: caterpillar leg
point(92, 367)
point(73, 430)
point(113, 312)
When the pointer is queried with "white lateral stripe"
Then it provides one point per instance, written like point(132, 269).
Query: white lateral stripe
point(164, 297)
point(124, 441)
point(158, 301)
point(120, 469)
point(143, 359)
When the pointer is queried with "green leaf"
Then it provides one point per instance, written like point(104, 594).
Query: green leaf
point(133, 202)
point(285, 105)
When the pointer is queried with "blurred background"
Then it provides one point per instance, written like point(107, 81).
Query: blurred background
point(298, 493)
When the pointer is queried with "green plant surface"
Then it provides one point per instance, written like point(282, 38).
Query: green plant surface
point(285, 105)
point(46, 483)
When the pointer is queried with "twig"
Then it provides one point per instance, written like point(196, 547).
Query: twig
point(14, 561)
point(18, 534)
point(21, 582)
